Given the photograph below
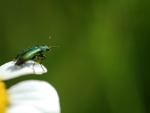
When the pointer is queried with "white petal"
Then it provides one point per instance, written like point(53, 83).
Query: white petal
point(22, 109)
point(38, 94)
point(9, 70)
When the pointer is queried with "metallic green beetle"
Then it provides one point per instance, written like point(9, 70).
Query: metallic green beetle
point(32, 53)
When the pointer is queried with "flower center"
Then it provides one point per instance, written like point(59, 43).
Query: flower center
point(3, 97)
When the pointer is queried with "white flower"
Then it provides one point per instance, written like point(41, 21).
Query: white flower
point(9, 70)
point(31, 96)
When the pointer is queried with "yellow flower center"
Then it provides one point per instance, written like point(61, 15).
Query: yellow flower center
point(3, 97)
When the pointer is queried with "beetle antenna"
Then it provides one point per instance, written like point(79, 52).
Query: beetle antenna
point(53, 47)
point(49, 40)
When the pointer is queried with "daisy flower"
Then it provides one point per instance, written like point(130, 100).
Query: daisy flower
point(31, 96)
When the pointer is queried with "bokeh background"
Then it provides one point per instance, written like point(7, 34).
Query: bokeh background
point(102, 65)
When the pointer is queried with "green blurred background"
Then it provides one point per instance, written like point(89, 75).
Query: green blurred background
point(102, 65)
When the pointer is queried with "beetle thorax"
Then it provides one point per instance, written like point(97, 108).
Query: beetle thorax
point(44, 48)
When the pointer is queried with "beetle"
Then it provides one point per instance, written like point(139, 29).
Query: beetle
point(32, 53)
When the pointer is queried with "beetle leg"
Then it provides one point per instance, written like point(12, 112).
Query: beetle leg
point(40, 59)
